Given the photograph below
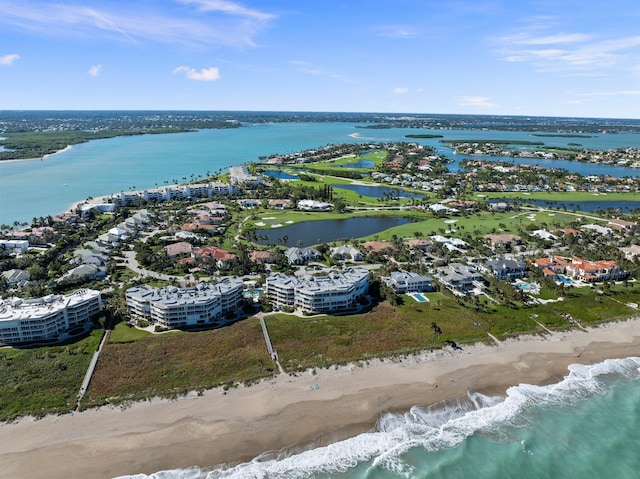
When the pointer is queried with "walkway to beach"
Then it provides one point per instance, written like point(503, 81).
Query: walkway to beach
point(91, 368)
point(272, 352)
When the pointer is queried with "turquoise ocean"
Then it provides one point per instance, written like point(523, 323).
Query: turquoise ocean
point(50, 186)
point(586, 426)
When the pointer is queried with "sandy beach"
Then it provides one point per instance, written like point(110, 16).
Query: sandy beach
point(289, 411)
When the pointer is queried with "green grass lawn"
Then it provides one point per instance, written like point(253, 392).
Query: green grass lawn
point(566, 196)
point(123, 333)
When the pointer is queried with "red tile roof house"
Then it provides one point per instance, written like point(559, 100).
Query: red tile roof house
point(621, 225)
point(222, 257)
point(198, 227)
point(378, 246)
point(577, 268)
point(176, 249)
point(591, 271)
point(262, 257)
point(552, 266)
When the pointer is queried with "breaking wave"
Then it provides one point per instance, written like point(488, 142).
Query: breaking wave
point(442, 425)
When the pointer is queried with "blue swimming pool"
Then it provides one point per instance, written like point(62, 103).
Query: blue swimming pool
point(563, 279)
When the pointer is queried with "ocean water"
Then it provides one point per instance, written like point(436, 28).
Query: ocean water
point(585, 426)
point(45, 187)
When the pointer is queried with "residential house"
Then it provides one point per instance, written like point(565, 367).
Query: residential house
point(632, 252)
point(621, 225)
point(14, 246)
point(419, 244)
point(300, 256)
point(262, 257)
point(279, 204)
point(222, 258)
point(460, 279)
point(409, 282)
point(16, 278)
point(176, 249)
point(507, 240)
point(346, 252)
point(504, 269)
point(84, 272)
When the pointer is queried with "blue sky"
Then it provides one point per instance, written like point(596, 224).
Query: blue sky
point(514, 57)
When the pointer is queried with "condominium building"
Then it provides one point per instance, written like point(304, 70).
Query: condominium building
point(319, 294)
point(47, 318)
point(171, 307)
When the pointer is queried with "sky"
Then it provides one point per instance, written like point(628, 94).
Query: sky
point(504, 57)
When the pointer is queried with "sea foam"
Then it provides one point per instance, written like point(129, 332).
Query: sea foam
point(442, 425)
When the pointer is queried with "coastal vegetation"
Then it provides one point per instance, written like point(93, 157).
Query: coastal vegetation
point(44, 380)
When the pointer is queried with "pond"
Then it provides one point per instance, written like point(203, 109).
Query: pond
point(359, 164)
point(378, 191)
point(324, 231)
point(281, 175)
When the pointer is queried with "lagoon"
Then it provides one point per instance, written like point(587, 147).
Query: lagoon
point(309, 233)
point(102, 167)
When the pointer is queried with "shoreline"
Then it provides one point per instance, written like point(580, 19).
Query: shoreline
point(44, 157)
point(287, 412)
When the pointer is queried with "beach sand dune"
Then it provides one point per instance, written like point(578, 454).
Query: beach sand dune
point(290, 412)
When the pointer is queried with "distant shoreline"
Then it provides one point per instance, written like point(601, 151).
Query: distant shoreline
point(44, 157)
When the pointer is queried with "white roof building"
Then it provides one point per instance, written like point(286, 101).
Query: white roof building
point(319, 294)
point(47, 318)
point(173, 307)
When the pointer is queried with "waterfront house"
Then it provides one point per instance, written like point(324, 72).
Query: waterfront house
point(346, 252)
point(409, 282)
point(504, 269)
point(300, 256)
point(313, 205)
point(279, 204)
point(460, 279)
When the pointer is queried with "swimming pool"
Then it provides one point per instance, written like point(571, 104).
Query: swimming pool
point(420, 298)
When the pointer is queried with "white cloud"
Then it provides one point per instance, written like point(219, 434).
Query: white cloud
point(613, 93)
point(396, 31)
point(475, 101)
point(572, 52)
point(400, 90)
point(94, 71)
point(229, 8)
point(8, 60)
point(524, 39)
point(132, 22)
point(206, 74)
point(310, 69)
